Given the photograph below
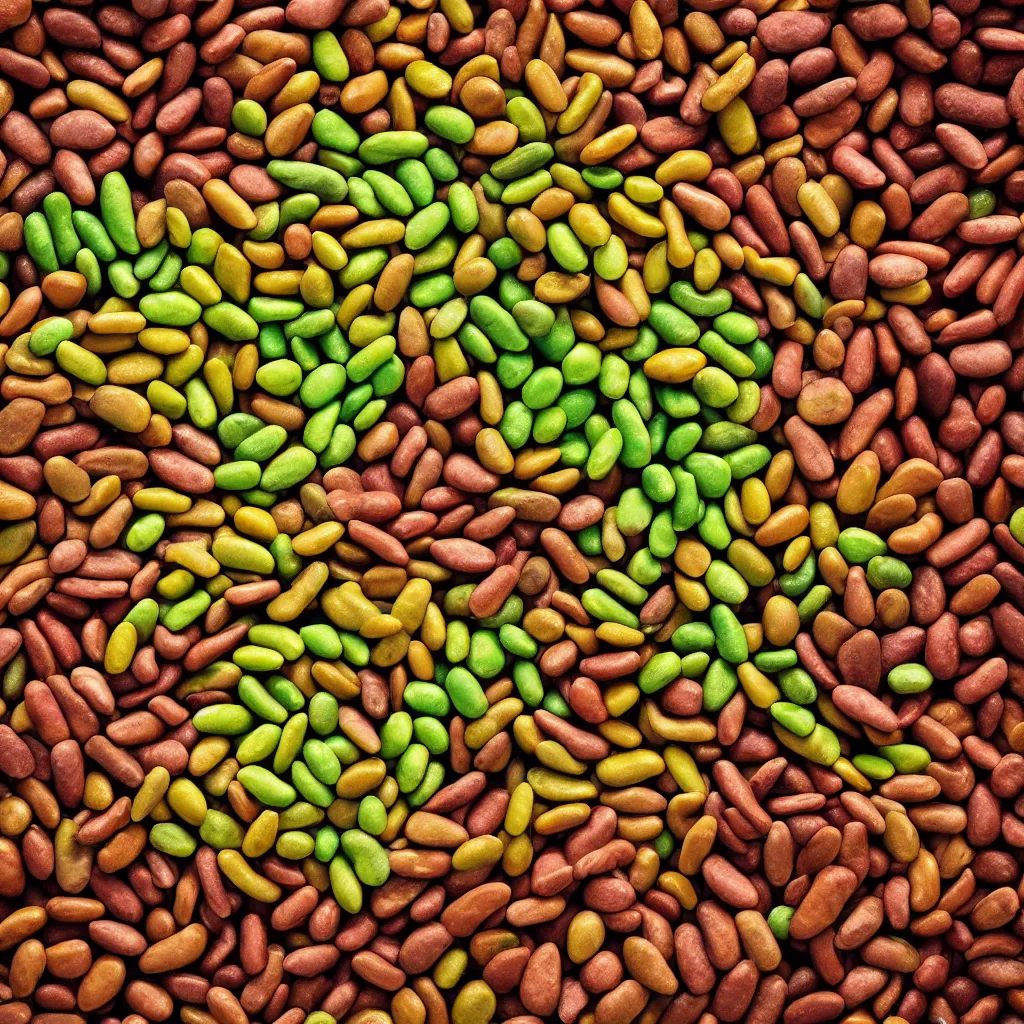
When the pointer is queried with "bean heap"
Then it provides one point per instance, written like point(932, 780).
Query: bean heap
point(511, 512)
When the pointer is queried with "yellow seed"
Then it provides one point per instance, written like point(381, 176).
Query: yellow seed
point(229, 205)
point(728, 86)
point(545, 86)
point(608, 145)
point(674, 365)
point(93, 96)
point(238, 871)
point(632, 217)
point(819, 207)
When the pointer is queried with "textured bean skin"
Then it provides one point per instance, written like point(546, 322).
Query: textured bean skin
point(511, 512)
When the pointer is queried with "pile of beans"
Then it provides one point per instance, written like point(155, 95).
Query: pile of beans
point(511, 512)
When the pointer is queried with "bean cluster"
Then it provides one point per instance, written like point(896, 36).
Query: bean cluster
point(511, 512)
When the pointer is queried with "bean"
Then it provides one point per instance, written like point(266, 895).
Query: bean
point(294, 516)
